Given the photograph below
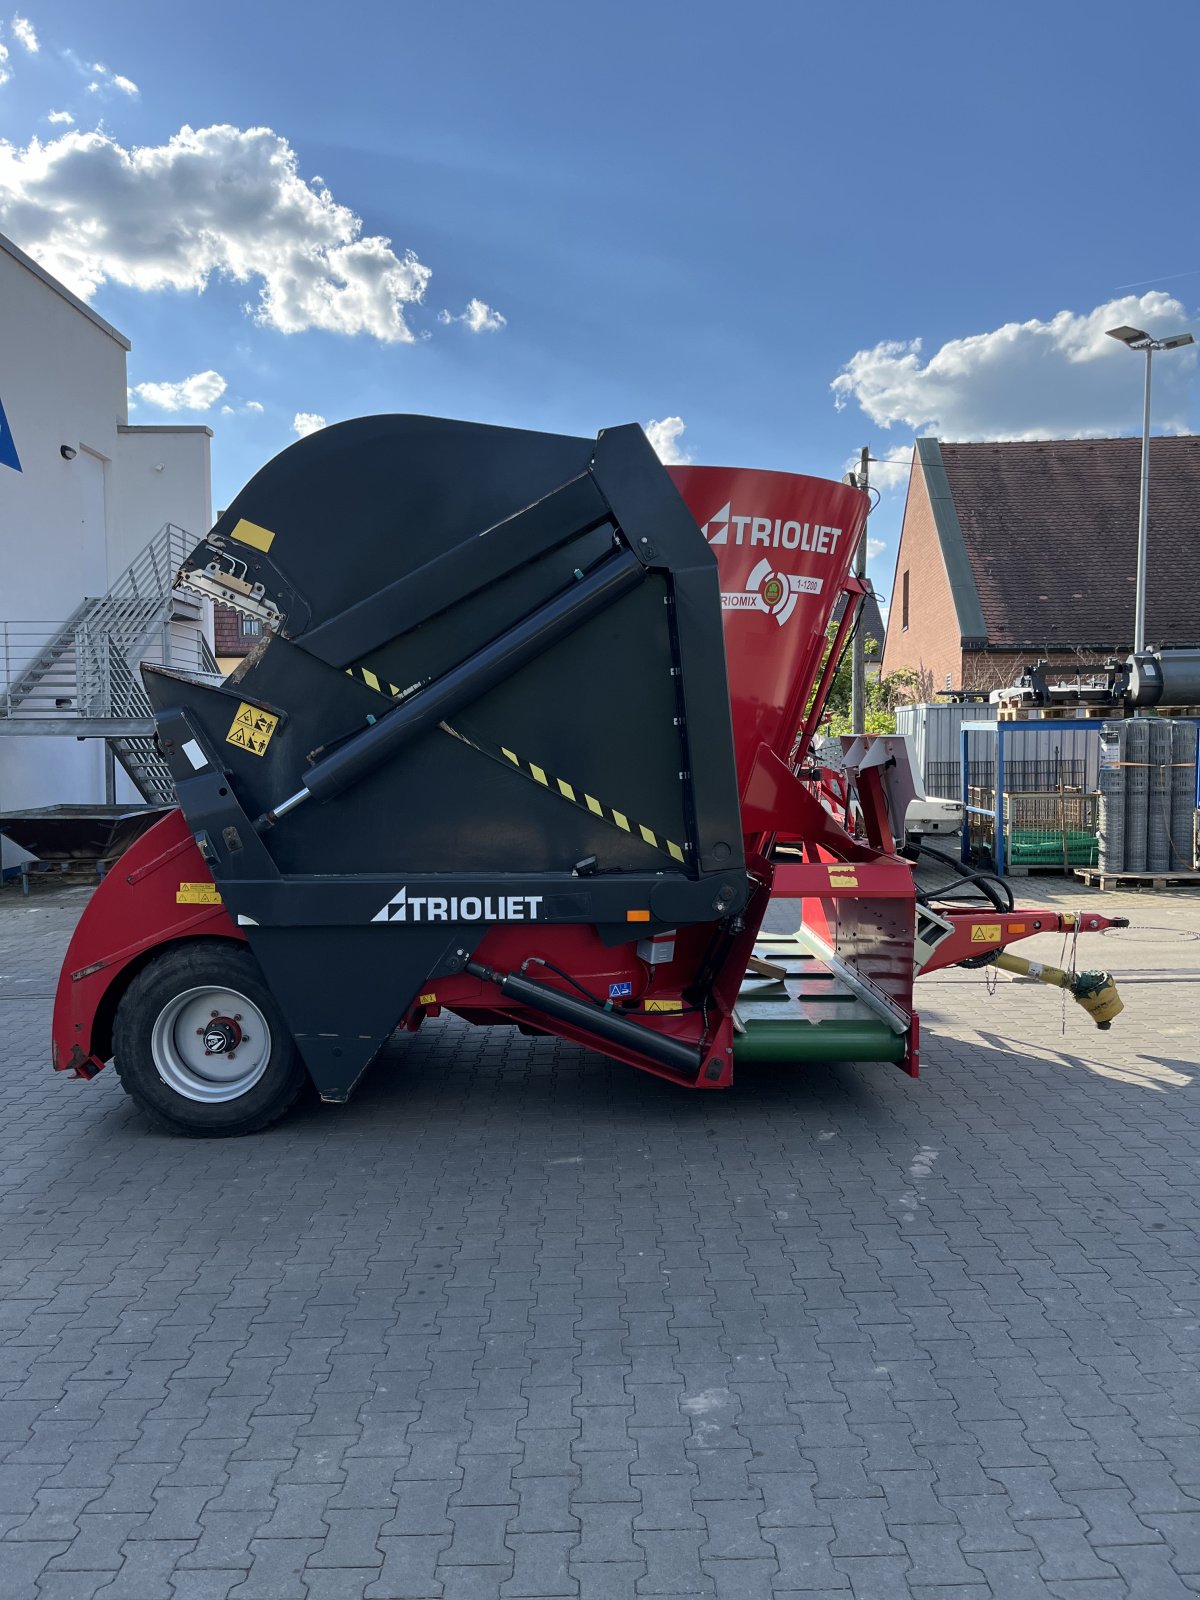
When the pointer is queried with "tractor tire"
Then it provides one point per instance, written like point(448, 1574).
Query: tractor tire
point(201, 1046)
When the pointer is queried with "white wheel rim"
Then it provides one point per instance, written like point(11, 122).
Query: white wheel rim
point(211, 1045)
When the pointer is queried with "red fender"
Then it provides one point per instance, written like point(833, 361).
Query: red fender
point(159, 891)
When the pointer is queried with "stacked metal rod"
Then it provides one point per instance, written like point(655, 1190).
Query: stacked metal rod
point(1182, 793)
point(1137, 792)
point(1158, 831)
point(1112, 797)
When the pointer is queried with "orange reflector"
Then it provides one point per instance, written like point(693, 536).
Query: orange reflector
point(637, 916)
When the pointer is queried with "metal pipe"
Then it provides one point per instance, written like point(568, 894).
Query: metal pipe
point(361, 754)
point(1139, 615)
point(677, 1054)
point(858, 644)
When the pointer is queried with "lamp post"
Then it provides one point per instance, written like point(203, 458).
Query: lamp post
point(1139, 339)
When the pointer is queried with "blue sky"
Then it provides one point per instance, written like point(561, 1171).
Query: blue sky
point(740, 217)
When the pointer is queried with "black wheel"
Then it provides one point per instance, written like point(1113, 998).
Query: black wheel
point(200, 1044)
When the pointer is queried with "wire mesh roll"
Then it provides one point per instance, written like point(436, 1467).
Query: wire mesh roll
point(1158, 832)
point(1183, 794)
point(1137, 792)
point(1112, 797)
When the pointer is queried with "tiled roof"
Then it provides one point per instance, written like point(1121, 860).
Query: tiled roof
point(1050, 530)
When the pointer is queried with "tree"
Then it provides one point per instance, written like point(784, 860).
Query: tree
point(883, 695)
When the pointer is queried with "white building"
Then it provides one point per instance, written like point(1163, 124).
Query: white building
point(81, 494)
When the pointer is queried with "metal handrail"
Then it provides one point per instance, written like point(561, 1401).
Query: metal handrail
point(72, 663)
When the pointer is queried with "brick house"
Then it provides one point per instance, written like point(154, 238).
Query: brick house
point(235, 636)
point(1011, 552)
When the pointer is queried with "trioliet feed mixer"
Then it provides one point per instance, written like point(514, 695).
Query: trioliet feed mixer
point(525, 739)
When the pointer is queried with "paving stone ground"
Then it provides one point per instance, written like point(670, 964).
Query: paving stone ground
point(519, 1323)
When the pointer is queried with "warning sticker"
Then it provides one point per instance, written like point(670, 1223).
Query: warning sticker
point(985, 933)
point(843, 878)
point(197, 894)
point(427, 999)
point(664, 1005)
point(251, 729)
point(250, 533)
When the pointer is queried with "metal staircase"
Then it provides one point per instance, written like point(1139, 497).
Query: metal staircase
point(80, 678)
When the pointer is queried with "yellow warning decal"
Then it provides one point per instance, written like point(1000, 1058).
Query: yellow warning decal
point(250, 533)
point(985, 933)
point(197, 894)
point(664, 1005)
point(251, 729)
point(843, 878)
point(427, 999)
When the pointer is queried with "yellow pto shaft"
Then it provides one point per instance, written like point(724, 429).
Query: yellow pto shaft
point(1096, 992)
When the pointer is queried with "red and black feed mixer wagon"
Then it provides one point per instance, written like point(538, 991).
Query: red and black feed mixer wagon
point(527, 738)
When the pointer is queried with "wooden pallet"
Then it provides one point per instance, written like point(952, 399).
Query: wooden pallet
point(1026, 711)
point(1023, 869)
point(1032, 713)
point(1097, 878)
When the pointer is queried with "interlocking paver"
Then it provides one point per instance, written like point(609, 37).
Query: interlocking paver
point(519, 1323)
point(673, 1564)
point(409, 1564)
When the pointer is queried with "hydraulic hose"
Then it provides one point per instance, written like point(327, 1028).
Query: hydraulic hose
point(992, 887)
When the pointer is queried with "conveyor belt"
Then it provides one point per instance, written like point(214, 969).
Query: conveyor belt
point(810, 1014)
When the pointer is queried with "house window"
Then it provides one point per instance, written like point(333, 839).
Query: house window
point(904, 601)
point(251, 627)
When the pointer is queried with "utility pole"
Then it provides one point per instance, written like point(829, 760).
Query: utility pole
point(858, 668)
point(1138, 339)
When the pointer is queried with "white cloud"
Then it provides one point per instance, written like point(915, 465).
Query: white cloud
point(306, 422)
point(876, 547)
point(478, 316)
point(5, 73)
point(221, 200)
point(126, 85)
point(64, 117)
point(197, 393)
point(254, 405)
point(665, 437)
point(889, 471)
point(1062, 378)
point(23, 32)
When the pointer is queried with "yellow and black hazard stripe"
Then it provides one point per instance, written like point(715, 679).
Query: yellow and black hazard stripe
point(570, 792)
point(373, 681)
point(574, 795)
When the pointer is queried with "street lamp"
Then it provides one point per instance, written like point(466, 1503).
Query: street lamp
point(1139, 339)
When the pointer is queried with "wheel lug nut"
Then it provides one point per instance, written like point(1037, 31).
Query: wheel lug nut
point(214, 1013)
point(199, 1033)
point(237, 1016)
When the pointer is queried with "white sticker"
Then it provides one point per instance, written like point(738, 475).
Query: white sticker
point(194, 754)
